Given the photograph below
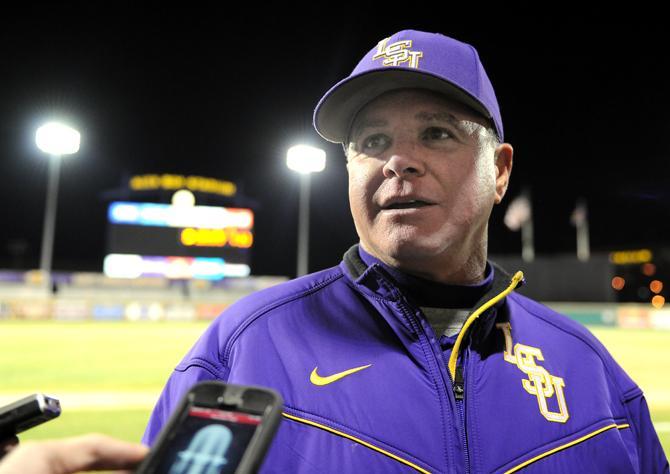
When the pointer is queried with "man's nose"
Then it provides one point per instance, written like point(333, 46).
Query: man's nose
point(404, 161)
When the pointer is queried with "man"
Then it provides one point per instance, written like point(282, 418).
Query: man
point(415, 353)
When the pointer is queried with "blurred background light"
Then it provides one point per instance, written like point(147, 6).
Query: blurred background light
point(56, 138)
point(656, 286)
point(618, 283)
point(658, 301)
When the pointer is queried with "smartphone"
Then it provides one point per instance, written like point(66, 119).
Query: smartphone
point(217, 428)
point(26, 413)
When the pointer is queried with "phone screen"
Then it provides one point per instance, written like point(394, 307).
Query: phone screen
point(208, 441)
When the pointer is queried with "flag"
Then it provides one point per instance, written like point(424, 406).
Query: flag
point(579, 214)
point(518, 212)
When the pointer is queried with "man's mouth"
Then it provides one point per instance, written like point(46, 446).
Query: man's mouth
point(408, 205)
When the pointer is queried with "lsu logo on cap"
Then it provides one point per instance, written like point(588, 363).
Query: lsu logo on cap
point(397, 53)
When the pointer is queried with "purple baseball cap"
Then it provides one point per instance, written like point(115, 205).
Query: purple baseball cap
point(409, 59)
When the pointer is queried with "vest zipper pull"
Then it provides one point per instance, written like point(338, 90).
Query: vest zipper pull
point(459, 385)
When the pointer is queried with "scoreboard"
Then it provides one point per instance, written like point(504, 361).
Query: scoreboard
point(151, 239)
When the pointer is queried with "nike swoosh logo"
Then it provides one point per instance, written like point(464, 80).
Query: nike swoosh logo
point(316, 379)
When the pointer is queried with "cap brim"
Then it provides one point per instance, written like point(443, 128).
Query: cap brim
point(337, 109)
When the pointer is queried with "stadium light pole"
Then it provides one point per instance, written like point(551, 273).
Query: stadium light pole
point(305, 160)
point(56, 140)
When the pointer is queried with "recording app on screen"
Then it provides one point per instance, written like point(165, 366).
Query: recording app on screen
point(209, 441)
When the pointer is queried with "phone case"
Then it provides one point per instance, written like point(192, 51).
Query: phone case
point(219, 395)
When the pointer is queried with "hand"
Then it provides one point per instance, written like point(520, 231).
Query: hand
point(7, 444)
point(83, 453)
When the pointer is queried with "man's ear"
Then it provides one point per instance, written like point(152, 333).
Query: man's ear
point(503, 163)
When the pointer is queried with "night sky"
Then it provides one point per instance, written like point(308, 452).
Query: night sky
point(212, 91)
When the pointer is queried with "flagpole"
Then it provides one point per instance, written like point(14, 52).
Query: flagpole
point(519, 216)
point(582, 226)
point(527, 239)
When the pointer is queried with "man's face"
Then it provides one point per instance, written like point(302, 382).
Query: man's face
point(421, 181)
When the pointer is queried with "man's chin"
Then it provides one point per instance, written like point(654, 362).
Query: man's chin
point(399, 252)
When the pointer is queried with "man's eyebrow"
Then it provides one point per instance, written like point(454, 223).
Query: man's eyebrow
point(440, 117)
point(362, 125)
point(448, 117)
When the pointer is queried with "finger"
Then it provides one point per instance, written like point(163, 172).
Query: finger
point(96, 451)
point(7, 444)
point(83, 453)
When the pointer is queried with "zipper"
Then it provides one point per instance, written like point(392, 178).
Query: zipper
point(454, 371)
point(457, 383)
point(453, 358)
point(459, 396)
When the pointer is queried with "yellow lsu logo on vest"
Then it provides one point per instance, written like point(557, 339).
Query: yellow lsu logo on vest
point(395, 54)
point(539, 382)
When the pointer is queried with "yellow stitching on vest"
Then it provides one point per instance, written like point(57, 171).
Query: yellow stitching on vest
point(566, 445)
point(353, 438)
point(518, 276)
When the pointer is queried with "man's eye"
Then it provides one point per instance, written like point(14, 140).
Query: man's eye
point(374, 142)
point(436, 133)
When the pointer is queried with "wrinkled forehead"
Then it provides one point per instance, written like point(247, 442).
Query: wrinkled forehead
point(376, 112)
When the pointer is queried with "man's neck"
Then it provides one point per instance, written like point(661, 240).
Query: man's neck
point(456, 268)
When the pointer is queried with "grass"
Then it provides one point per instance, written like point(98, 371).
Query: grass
point(121, 423)
point(645, 355)
point(62, 358)
point(99, 358)
point(52, 356)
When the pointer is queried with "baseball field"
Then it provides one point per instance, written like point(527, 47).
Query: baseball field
point(108, 375)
